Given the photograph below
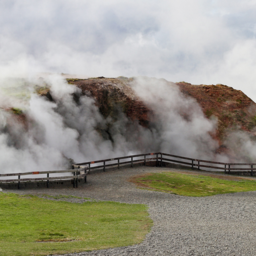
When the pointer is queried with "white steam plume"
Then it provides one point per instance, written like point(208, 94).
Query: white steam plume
point(181, 127)
point(50, 132)
point(242, 146)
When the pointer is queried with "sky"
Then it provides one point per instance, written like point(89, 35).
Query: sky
point(200, 42)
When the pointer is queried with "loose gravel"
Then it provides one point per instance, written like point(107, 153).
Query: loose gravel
point(215, 225)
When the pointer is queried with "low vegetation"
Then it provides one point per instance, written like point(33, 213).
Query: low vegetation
point(17, 111)
point(192, 185)
point(30, 225)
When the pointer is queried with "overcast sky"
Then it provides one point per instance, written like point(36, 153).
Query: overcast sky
point(199, 41)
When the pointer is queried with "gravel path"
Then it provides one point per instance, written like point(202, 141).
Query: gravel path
point(216, 225)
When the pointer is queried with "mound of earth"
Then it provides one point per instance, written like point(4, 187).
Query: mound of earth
point(232, 108)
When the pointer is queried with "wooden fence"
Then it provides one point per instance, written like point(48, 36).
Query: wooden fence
point(80, 170)
point(73, 175)
point(163, 159)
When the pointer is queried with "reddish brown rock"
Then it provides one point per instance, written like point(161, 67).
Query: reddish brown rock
point(113, 94)
point(232, 108)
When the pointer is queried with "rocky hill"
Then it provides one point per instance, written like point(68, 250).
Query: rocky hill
point(44, 123)
point(232, 109)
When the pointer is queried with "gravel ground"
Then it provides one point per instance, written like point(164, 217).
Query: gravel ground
point(215, 225)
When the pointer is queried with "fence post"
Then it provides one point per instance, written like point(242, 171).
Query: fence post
point(192, 163)
point(48, 178)
point(85, 177)
point(74, 180)
point(18, 181)
point(131, 161)
point(118, 162)
point(198, 167)
point(74, 175)
point(89, 167)
point(229, 168)
point(225, 169)
point(157, 160)
point(161, 160)
point(104, 168)
point(252, 170)
point(144, 159)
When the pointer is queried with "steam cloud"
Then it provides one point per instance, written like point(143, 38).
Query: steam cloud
point(51, 132)
point(181, 126)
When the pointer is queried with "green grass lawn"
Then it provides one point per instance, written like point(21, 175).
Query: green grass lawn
point(192, 185)
point(34, 226)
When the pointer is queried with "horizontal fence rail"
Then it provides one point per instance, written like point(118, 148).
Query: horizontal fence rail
point(79, 171)
point(118, 161)
point(161, 159)
point(229, 168)
point(73, 175)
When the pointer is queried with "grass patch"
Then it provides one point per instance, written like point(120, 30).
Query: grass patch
point(42, 89)
point(17, 111)
point(192, 185)
point(209, 113)
point(36, 226)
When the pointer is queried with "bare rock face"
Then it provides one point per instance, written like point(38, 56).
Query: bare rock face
point(233, 108)
point(112, 95)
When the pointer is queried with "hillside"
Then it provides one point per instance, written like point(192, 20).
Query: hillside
point(104, 117)
point(232, 108)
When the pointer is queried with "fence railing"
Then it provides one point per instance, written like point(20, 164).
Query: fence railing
point(80, 170)
point(118, 161)
point(45, 176)
point(229, 168)
point(161, 159)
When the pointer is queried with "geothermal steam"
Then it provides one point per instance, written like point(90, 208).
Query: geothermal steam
point(50, 133)
point(181, 127)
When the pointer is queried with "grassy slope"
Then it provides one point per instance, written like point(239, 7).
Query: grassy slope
point(35, 226)
point(192, 185)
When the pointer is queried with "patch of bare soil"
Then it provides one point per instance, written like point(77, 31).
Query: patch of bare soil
point(135, 180)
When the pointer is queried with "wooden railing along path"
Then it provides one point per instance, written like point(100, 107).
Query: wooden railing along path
point(72, 175)
point(163, 159)
point(80, 170)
